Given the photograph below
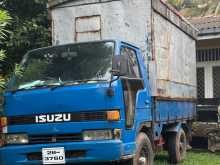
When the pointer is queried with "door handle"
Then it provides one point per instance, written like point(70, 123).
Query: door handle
point(147, 102)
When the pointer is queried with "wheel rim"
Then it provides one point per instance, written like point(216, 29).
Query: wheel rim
point(143, 159)
point(182, 145)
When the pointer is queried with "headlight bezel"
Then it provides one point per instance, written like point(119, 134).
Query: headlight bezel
point(97, 135)
point(16, 139)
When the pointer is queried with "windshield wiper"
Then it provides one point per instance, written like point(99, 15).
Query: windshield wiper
point(34, 87)
point(89, 80)
point(46, 85)
point(76, 82)
point(57, 85)
point(16, 90)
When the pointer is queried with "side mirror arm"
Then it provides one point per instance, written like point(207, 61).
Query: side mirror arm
point(113, 80)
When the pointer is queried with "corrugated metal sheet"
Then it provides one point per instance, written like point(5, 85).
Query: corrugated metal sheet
point(57, 3)
point(160, 33)
point(207, 25)
point(175, 56)
point(169, 13)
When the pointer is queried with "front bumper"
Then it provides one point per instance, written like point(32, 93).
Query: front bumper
point(95, 151)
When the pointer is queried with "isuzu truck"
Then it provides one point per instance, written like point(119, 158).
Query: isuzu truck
point(118, 83)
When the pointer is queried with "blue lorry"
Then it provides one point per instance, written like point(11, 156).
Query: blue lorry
point(95, 101)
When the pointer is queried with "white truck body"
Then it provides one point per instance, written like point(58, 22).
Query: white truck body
point(167, 41)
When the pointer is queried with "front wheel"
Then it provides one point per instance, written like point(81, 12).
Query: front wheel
point(144, 154)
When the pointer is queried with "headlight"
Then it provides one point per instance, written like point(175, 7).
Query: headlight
point(2, 140)
point(97, 135)
point(16, 139)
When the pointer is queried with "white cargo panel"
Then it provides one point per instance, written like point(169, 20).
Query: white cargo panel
point(124, 20)
point(161, 34)
point(173, 68)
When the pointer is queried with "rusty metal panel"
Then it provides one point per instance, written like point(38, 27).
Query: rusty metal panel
point(118, 20)
point(175, 60)
point(88, 28)
point(174, 17)
point(57, 3)
point(88, 24)
point(158, 31)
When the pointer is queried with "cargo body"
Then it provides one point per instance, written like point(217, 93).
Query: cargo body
point(167, 41)
point(118, 83)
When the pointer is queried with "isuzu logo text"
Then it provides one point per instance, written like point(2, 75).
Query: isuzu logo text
point(51, 118)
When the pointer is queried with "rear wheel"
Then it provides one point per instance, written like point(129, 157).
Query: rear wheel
point(177, 145)
point(144, 154)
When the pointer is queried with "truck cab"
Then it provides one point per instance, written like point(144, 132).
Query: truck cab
point(72, 98)
point(115, 86)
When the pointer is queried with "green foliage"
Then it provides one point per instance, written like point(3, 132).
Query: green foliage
point(35, 69)
point(2, 55)
point(178, 4)
point(18, 70)
point(30, 29)
point(197, 8)
point(5, 20)
point(195, 157)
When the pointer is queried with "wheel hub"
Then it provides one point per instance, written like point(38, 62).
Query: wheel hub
point(142, 160)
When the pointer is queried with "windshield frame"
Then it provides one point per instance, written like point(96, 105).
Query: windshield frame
point(10, 84)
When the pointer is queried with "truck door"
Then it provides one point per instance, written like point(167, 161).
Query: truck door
point(129, 92)
point(133, 86)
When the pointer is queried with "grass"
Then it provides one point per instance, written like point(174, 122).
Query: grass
point(194, 157)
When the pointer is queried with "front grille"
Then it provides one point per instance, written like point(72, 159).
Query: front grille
point(42, 139)
point(34, 156)
point(68, 154)
point(75, 117)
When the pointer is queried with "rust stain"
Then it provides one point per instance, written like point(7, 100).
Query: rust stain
point(88, 31)
point(182, 99)
point(87, 17)
point(188, 28)
point(176, 82)
point(173, 9)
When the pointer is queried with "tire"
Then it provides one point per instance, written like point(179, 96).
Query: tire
point(144, 153)
point(177, 145)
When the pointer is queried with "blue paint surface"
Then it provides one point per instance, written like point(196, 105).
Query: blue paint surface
point(89, 98)
point(95, 151)
point(174, 110)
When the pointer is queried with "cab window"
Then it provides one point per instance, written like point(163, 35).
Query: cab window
point(132, 62)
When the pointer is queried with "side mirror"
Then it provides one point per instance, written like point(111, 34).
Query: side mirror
point(120, 66)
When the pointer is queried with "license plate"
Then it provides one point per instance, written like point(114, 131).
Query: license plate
point(53, 155)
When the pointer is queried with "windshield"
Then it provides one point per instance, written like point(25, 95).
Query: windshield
point(62, 64)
